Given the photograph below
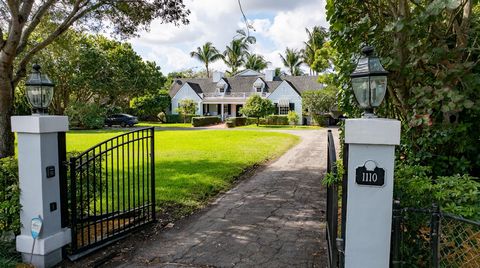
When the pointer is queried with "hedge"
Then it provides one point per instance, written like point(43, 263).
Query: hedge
point(177, 118)
point(205, 121)
point(277, 120)
point(237, 121)
point(9, 196)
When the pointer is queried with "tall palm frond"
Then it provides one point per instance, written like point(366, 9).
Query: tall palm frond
point(292, 60)
point(234, 55)
point(256, 62)
point(206, 54)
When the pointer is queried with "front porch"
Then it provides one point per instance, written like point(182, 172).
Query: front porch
point(224, 110)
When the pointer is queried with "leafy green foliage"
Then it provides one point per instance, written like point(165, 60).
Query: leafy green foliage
point(86, 115)
point(205, 121)
point(9, 196)
point(186, 107)
point(149, 106)
point(206, 54)
point(415, 187)
point(256, 62)
point(319, 102)
point(276, 120)
point(234, 55)
point(292, 60)
point(237, 121)
point(316, 39)
point(90, 68)
point(332, 178)
point(257, 107)
point(293, 118)
point(431, 50)
point(9, 257)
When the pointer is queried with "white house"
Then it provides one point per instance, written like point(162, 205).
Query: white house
point(224, 96)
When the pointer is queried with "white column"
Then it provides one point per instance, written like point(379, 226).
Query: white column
point(222, 112)
point(39, 190)
point(371, 144)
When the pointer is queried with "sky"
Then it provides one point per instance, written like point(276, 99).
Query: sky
point(278, 24)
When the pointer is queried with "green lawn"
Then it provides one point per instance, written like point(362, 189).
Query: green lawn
point(192, 166)
point(158, 124)
point(260, 127)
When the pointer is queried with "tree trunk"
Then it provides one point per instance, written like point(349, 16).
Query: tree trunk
point(258, 121)
point(7, 138)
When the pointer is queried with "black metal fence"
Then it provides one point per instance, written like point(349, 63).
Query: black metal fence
point(429, 237)
point(336, 206)
point(111, 189)
point(332, 204)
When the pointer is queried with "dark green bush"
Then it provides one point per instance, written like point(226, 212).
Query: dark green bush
point(277, 120)
point(205, 121)
point(416, 188)
point(177, 118)
point(86, 115)
point(230, 124)
point(238, 121)
point(9, 196)
point(457, 194)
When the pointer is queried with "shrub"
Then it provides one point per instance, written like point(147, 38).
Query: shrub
point(230, 124)
point(277, 120)
point(178, 118)
point(293, 117)
point(238, 121)
point(149, 106)
point(205, 121)
point(457, 194)
point(86, 115)
point(416, 188)
point(9, 196)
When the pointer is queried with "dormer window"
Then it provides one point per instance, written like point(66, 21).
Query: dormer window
point(259, 85)
point(222, 86)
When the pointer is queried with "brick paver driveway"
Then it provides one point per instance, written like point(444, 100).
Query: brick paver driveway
point(274, 219)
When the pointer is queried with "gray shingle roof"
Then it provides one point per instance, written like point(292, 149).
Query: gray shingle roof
point(240, 84)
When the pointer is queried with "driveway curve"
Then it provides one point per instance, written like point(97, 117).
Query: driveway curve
point(276, 218)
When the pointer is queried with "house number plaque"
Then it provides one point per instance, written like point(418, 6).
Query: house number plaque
point(370, 176)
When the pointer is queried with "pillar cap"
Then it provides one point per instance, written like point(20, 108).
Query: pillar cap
point(39, 124)
point(378, 131)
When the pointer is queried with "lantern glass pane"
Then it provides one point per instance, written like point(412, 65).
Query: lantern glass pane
point(360, 88)
point(34, 96)
point(378, 87)
point(47, 96)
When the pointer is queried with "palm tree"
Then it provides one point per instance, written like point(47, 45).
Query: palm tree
point(316, 38)
point(245, 38)
point(256, 62)
point(206, 54)
point(292, 60)
point(234, 55)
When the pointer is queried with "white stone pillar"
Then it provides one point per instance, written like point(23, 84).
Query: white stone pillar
point(38, 166)
point(371, 153)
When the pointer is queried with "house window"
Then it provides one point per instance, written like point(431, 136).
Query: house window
point(283, 110)
point(283, 106)
point(225, 108)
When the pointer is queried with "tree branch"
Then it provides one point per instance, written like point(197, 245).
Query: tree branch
point(33, 24)
point(74, 15)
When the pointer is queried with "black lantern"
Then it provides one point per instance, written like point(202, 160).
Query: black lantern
point(369, 82)
point(39, 90)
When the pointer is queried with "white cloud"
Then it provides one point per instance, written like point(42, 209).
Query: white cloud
point(277, 23)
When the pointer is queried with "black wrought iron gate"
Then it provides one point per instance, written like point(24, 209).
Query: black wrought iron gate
point(111, 189)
